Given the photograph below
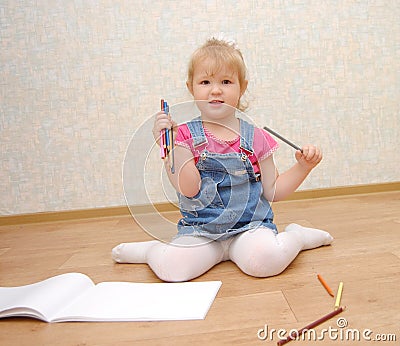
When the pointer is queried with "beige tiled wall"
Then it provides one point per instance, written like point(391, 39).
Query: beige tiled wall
point(78, 78)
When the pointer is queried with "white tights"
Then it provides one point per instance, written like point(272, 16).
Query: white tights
point(259, 252)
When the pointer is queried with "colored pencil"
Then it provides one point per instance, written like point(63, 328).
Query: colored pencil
point(339, 295)
point(312, 325)
point(167, 140)
point(322, 281)
point(172, 156)
point(167, 135)
point(162, 149)
point(282, 138)
point(162, 137)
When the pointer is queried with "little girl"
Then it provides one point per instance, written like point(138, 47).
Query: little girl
point(225, 177)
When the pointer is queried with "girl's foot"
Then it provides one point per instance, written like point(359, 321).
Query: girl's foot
point(310, 237)
point(132, 252)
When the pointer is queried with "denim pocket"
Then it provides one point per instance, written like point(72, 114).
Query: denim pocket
point(208, 196)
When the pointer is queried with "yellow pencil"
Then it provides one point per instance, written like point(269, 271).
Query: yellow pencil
point(339, 295)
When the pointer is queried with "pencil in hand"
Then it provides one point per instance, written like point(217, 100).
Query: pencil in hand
point(283, 138)
point(162, 137)
point(172, 151)
point(167, 140)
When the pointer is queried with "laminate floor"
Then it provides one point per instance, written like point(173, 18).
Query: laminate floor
point(365, 256)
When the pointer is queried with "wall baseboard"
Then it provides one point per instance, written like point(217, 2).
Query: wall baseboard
point(165, 207)
point(345, 190)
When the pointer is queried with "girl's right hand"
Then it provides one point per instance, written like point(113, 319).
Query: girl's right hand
point(162, 121)
point(186, 179)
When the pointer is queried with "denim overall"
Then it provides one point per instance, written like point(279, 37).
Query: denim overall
point(230, 200)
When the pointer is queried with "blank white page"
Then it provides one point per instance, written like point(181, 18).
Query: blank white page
point(126, 301)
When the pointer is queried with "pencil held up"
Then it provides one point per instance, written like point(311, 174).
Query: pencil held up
point(282, 138)
point(167, 140)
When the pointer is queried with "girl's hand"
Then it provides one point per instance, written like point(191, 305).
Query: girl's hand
point(310, 157)
point(162, 121)
point(186, 179)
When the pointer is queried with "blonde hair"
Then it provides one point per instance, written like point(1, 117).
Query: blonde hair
point(222, 53)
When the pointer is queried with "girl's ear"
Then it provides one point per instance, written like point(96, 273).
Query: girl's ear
point(189, 86)
point(243, 87)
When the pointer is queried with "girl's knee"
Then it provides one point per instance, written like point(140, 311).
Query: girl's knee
point(168, 275)
point(170, 267)
point(262, 268)
point(176, 264)
point(259, 253)
point(263, 262)
point(186, 260)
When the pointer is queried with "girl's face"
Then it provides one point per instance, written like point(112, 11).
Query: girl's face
point(216, 90)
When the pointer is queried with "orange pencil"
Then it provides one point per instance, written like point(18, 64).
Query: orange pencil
point(328, 289)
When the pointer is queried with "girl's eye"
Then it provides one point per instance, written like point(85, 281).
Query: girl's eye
point(226, 81)
point(205, 82)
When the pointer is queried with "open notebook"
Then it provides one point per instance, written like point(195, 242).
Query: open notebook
point(75, 297)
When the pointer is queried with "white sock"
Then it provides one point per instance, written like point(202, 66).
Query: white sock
point(132, 252)
point(310, 237)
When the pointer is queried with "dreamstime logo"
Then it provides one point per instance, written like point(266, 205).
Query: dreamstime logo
point(341, 322)
point(341, 333)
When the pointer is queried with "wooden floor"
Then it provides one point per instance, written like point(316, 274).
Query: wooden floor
point(365, 256)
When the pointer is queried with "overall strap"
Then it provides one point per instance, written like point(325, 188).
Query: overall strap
point(196, 130)
point(246, 137)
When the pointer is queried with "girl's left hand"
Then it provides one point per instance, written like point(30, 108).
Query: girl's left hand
point(310, 157)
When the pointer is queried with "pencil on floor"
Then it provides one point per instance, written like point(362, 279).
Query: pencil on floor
point(323, 282)
point(339, 295)
point(295, 334)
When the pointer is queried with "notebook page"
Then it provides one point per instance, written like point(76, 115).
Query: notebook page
point(126, 301)
point(45, 298)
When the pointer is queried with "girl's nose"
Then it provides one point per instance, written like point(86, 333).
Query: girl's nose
point(215, 89)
